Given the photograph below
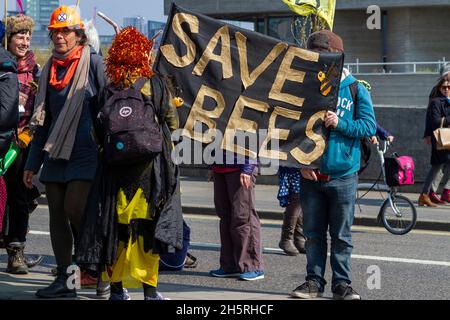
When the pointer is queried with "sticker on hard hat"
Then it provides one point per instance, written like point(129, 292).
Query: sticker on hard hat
point(62, 17)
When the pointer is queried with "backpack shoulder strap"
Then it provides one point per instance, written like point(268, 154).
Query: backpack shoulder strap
point(157, 94)
point(139, 83)
point(354, 94)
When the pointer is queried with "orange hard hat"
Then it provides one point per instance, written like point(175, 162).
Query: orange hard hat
point(65, 16)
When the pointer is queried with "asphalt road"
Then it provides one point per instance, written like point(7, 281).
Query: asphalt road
point(413, 266)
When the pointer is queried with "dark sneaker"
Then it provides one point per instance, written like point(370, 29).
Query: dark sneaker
point(345, 292)
point(220, 273)
point(103, 289)
point(308, 290)
point(252, 275)
point(57, 289)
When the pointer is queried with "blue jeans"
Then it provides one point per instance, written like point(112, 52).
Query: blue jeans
point(328, 204)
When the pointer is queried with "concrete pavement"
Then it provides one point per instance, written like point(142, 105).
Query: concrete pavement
point(197, 198)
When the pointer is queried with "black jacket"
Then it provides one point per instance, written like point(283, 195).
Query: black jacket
point(439, 108)
point(9, 100)
point(99, 234)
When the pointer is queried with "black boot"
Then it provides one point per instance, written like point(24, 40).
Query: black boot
point(58, 288)
point(287, 233)
point(299, 237)
point(16, 259)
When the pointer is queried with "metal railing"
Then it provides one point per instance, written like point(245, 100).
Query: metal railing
point(431, 67)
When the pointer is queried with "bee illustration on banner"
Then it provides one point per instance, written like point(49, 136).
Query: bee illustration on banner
point(325, 79)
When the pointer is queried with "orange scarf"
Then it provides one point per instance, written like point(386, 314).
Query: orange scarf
point(70, 62)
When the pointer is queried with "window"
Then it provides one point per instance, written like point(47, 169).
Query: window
point(280, 28)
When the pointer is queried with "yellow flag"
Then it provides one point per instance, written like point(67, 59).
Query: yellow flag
point(324, 9)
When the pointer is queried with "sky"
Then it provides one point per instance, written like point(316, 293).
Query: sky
point(115, 9)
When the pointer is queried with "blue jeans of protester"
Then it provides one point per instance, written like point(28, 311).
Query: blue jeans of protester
point(328, 204)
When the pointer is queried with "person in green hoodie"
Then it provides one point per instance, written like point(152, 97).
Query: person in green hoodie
point(328, 195)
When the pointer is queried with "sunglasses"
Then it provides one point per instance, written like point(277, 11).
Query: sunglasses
point(63, 31)
point(445, 87)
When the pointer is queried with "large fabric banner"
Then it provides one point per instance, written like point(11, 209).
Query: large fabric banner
point(246, 93)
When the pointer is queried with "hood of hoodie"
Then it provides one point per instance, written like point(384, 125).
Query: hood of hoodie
point(8, 62)
point(347, 79)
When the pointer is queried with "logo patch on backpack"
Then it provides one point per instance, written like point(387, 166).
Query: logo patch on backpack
point(130, 140)
point(125, 112)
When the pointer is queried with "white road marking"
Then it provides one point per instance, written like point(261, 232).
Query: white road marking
point(46, 233)
point(403, 260)
point(354, 256)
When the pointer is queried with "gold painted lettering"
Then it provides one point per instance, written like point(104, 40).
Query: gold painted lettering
point(168, 50)
point(236, 122)
point(287, 73)
point(248, 78)
point(275, 133)
point(205, 116)
point(308, 158)
point(225, 54)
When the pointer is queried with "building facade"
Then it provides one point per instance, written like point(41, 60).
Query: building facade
point(138, 22)
point(40, 11)
point(412, 30)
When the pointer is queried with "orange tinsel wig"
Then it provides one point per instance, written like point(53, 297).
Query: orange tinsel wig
point(128, 57)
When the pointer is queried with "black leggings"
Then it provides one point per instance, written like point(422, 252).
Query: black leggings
point(18, 200)
point(66, 202)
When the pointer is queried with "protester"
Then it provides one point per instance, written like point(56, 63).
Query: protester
point(9, 100)
point(62, 124)
point(140, 205)
point(383, 134)
point(292, 240)
point(240, 228)
point(328, 195)
point(21, 200)
point(438, 110)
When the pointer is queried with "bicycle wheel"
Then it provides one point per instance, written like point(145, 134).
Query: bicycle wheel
point(400, 218)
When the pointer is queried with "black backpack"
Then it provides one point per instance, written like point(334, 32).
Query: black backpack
point(365, 143)
point(131, 126)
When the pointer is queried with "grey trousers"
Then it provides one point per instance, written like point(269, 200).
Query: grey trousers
point(443, 176)
point(240, 228)
point(436, 174)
